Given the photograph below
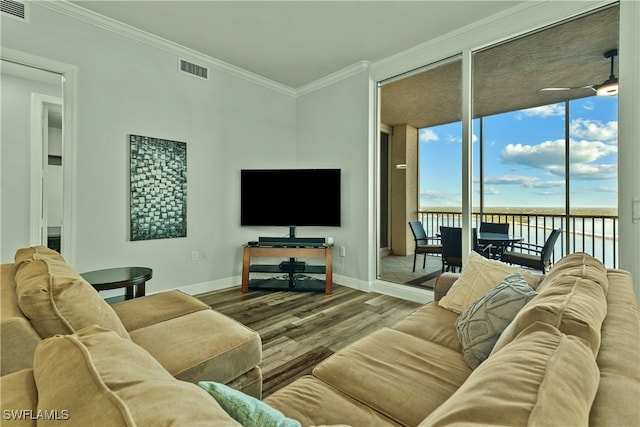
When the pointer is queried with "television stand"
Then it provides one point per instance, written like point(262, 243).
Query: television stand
point(294, 269)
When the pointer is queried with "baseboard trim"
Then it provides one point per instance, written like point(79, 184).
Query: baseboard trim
point(350, 282)
point(209, 286)
point(409, 293)
point(387, 288)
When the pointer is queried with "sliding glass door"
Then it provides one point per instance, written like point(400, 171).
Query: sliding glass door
point(543, 144)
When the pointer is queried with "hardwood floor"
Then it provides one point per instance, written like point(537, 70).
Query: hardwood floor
point(300, 329)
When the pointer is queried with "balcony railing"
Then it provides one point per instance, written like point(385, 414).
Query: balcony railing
point(596, 235)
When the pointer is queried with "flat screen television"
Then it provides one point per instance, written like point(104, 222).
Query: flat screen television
point(290, 197)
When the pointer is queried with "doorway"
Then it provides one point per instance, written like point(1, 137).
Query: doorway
point(38, 137)
point(384, 208)
point(47, 172)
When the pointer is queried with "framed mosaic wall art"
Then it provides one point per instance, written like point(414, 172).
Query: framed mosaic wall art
point(158, 185)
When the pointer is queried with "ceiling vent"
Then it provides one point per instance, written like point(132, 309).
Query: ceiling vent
point(14, 9)
point(194, 69)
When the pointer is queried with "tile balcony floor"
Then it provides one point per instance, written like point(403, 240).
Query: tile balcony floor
point(398, 269)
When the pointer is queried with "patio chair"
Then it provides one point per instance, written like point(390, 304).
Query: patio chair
point(422, 245)
point(536, 256)
point(451, 238)
point(495, 227)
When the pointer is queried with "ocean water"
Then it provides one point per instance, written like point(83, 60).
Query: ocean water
point(595, 236)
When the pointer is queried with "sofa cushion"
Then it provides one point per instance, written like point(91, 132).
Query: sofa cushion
point(19, 399)
point(102, 379)
point(140, 312)
point(219, 348)
point(314, 402)
point(571, 300)
point(432, 323)
point(57, 300)
point(577, 264)
point(480, 325)
point(247, 410)
point(478, 277)
point(388, 361)
point(36, 252)
point(543, 377)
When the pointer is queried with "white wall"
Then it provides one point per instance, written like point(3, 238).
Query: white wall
point(128, 87)
point(15, 160)
point(332, 131)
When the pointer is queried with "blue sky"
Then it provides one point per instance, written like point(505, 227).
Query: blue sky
point(524, 158)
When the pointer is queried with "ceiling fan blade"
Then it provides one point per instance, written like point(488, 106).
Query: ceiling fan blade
point(549, 89)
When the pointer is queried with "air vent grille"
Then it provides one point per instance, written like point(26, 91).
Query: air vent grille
point(14, 9)
point(194, 69)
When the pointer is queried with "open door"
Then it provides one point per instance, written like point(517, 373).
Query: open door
point(46, 171)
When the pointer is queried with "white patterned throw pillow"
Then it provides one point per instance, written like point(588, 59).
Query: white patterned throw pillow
point(478, 276)
point(480, 326)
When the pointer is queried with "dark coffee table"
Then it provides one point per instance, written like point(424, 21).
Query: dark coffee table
point(120, 277)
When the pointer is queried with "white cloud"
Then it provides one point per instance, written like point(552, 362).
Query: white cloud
point(451, 139)
point(490, 190)
point(598, 189)
point(547, 184)
point(589, 151)
point(594, 130)
point(545, 110)
point(550, 154)
point(508, 179)
point(525, 181)
point(427, 135)
point(538, 156)
point(457, 139)
point(591, 171)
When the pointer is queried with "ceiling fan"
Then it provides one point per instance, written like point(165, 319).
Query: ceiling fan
point(607, 88)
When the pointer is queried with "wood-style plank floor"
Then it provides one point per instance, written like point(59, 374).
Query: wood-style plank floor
point(300, 329)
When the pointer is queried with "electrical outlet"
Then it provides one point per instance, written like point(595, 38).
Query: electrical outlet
point(194, 255)
point(203, 255)
point(343, 251)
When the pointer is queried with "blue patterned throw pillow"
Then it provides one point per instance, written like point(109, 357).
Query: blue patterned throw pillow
point(247, 410)
point(480, 325)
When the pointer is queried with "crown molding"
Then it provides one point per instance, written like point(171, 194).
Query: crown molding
point(90, 17)
point(332, 78)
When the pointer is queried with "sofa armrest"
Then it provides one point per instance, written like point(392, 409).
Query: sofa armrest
point(443, 284)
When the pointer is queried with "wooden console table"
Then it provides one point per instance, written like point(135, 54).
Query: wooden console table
point(288, 252)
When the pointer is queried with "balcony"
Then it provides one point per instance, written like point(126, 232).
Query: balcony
point(595, 234)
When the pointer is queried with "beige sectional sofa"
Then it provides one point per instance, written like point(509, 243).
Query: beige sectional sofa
point(570, 357)
point(179, 336)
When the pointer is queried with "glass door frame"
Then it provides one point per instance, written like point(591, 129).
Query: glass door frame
point(466, 46)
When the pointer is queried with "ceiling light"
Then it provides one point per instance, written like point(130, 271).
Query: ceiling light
point(610, 86)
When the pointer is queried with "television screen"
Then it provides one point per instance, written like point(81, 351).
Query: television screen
point(290, 197)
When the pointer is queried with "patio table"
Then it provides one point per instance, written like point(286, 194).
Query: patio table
point(498, 241)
